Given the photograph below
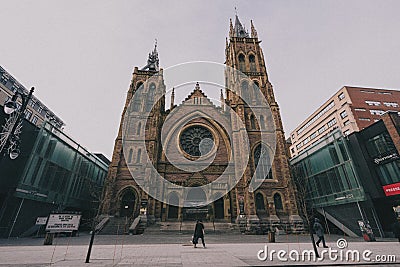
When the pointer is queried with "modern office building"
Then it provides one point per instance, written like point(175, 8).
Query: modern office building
point(350, 109)
point(52, 173)
point(36, 112)
point(376, 150)
point(355, 177)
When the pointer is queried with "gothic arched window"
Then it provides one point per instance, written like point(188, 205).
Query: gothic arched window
point(150, 97)
point(252, 61)
point(139, 155)
point(137, 103)
point(245, 92)
point(262, 162)
point(262, 122)
point(242, 63)
point(253, 122)
point(278, 202)
point(130, 155)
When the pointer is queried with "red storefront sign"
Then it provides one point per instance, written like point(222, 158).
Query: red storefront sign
point(392, 189)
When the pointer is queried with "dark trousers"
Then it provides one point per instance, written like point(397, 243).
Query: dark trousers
point(196, 239)
point(321, 238)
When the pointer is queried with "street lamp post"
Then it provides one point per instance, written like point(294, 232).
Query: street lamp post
point(9, 137)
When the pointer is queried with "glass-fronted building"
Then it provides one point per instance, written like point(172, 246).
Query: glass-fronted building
point(354, 178)
point(334, 188)
point(53, 173)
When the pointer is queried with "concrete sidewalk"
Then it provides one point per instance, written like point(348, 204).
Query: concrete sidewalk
point(222, 250)
point(244, 254)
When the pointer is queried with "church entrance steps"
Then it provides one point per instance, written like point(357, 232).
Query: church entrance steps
point(116, 226)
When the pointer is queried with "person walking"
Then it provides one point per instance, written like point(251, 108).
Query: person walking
point(198, 233)
point(319, 231)
point(396, 229)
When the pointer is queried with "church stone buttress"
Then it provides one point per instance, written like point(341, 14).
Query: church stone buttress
point(270, 204)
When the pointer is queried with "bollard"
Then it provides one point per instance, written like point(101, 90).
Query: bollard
point(48, 239)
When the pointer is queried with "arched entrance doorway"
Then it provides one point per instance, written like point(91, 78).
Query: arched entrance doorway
point(260, 205)
point(278, 203)
point(173, 210)
point(195, 200)
point(219, 209)
point(127, 205)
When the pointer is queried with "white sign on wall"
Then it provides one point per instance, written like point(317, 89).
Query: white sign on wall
point(63, 222)
point(41, 220)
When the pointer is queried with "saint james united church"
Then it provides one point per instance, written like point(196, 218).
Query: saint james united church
point(273, 202)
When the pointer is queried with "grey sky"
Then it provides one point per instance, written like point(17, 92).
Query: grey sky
point(80, 54)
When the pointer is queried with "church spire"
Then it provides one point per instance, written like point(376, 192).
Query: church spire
point(153, 61)
point(173, 98)
point(253, 30)
point(239, 30)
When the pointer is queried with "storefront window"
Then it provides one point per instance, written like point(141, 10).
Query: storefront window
point(389, 173)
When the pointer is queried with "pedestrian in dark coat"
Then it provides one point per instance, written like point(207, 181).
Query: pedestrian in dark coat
point(396, 229)
point(198, 233)
point(319, 231)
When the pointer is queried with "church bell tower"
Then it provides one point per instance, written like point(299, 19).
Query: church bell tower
point(274, 200)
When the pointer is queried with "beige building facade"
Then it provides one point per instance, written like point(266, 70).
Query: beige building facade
point(36, 112)
point(351, 109)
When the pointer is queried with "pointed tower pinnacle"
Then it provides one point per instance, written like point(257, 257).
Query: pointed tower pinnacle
point(153, 61)
point(253, 30)
point(172, 98)
point(221, 98)
point(239, 30)
point(231, 33)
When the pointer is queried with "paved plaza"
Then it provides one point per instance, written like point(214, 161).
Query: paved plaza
point(173, 249)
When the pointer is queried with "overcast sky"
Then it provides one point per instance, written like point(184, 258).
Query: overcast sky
point(80, 54)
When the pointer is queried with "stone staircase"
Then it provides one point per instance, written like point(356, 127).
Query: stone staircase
point(116, 226)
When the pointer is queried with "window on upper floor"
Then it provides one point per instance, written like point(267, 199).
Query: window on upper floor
point(384, 93)
point(376, 111)
point(34, 120)
point(242, 63)
point(262, 162)
point(322, 129)
point(331, 122)
point(28, 114)
point(341, 96)
point(252, 61)
point(253, 122)
point(364, 119)
point(343, 114)
point(360, 109)
point(391, 104)
point(372, 103)
point(346, 123)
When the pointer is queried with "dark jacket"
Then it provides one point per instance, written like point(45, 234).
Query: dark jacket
point(396, 229)
point(318, 229)
point(199, 230)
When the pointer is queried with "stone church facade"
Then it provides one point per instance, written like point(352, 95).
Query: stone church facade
point(272, 203)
